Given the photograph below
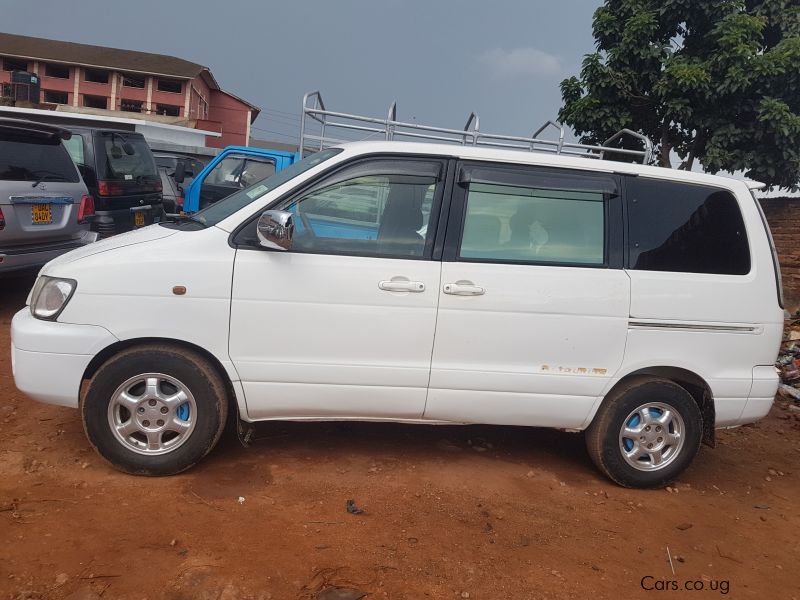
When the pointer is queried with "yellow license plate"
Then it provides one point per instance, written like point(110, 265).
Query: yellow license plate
point(41, 214)
point(138, 219)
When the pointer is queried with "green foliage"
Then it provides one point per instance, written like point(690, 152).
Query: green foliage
point(711, 80)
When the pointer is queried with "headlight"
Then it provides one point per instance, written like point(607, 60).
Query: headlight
point(50, 295)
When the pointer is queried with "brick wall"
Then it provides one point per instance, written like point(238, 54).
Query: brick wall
point(234, 116)
point(783, 216)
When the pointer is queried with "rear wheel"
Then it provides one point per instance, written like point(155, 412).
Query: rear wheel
point(645, 433)
point(155, 409)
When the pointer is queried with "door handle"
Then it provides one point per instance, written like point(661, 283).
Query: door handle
point(463, 288)
point(400, 285)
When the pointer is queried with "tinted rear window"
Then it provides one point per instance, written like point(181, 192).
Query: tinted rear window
point(24, 158)
point(123, 157)
point(685, 228)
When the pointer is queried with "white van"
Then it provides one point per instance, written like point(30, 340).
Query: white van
point(422, 283)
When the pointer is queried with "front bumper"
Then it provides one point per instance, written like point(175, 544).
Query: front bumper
point(48, 358)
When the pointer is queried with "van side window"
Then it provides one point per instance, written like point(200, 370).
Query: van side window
point(379, 208)
point(530, 215)
point(686, 228)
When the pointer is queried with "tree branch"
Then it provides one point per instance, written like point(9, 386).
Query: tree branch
point(666, 147)
point(697, 145)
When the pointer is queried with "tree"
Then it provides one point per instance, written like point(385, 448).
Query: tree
point(714, 81)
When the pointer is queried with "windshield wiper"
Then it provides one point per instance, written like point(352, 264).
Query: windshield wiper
point(45, 174)
point(181, 218)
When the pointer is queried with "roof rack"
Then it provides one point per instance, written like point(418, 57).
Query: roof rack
point(316, 114)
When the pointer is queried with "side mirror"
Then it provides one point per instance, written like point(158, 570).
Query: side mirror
point(275, 230)
point(180, 172)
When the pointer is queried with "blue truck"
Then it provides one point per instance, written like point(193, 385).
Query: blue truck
point(233, 169)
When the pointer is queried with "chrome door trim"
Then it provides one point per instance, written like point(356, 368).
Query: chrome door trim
point(688, 326)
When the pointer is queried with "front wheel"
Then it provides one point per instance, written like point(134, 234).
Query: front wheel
point(645, 433)
point(154, 410)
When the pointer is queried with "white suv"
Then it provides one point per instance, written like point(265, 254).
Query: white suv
point(422, 283)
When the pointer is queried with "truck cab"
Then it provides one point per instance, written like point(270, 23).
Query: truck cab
point(235, 168)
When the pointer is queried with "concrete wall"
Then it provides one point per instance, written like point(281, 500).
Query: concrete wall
point(182, 136)
point(783, 216)
point(166, 136)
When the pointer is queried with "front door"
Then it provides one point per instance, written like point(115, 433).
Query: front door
point(342, 325)
point(533, 307)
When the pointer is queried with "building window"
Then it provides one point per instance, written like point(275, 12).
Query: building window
point(95, 101)
point(10, 64)
point(54, 97)
point(96, 76)
point(57, 71)
point(168, 110)
point(170, 85)
point(130, 105)
point(133, 81)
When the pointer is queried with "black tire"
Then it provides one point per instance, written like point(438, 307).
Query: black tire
point(603, 435)
point(189, 368)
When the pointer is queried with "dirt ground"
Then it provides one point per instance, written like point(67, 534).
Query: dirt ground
point(449, 512)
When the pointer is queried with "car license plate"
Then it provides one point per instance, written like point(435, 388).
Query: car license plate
point(138, 219)
point(41, 214)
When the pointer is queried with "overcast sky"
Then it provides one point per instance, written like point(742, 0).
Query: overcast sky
point(440, 60)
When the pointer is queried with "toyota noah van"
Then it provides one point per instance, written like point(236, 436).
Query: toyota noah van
point(422, 283)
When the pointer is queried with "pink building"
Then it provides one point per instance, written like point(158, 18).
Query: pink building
point(110, 81)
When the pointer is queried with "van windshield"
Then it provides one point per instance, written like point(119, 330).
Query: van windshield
point(123, 157)
point(227, 206)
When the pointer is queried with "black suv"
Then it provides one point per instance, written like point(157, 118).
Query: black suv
point(119, 169)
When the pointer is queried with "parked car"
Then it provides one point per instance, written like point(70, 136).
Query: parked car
point(423, 283)
point(169, 164)
point(119, 169)
point(45, 207)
